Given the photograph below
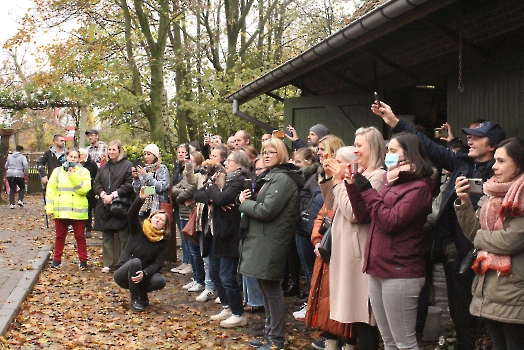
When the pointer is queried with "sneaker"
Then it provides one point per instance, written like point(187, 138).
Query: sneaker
point(12, 206)
point(185, 270)
point(178, 268)
point(106, 269)
point(256, 343)
point(56, 264)
point(20, 203)
point(206, 295)
point(300, 315)
point(234, 321)
point(197, 287)
point(217, 300)
point(319, 344)
point(189, 285)
point(83, 265)
point(223, 315)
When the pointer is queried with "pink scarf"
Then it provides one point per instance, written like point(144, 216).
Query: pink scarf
point(502, 200)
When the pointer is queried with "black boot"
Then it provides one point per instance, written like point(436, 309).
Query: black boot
point(142, 296)
point(292, 290)
point(135, 303)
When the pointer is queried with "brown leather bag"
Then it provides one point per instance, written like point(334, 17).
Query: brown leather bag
point(189, 231)
point(168, 206)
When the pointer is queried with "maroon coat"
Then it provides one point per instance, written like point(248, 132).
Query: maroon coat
point(397, 214)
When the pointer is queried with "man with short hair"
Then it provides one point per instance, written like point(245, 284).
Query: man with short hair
point(316, 132)
point(242, 138)
point(218, 154)
point(266, 137)
point(53, 158)
point(98, 149)
point(478, 163)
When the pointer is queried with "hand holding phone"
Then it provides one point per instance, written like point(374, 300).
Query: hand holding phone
point(149, 190)
point(249, 185)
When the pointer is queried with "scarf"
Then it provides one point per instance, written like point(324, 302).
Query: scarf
point(151, 233)
point(150, 169)
point(502, 200)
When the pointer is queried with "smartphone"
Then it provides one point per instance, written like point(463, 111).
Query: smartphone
point(475, 186)
point(377, 100)
point(353, 168)
point(288, 132)
point(149, 190)
point(188, 154)
point(248, 185)
point(278, 133)
point(138, 162)
point(440, 132)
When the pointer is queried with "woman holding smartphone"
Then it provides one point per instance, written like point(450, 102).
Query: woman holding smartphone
point(66, 200)
point(497, 232)
point(392, 256)
point(155, 176)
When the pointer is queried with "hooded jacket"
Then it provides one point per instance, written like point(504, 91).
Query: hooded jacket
point(264, 249)
point(16, 165)
point(52, 159)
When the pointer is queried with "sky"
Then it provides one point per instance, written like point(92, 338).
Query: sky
point(11, 11)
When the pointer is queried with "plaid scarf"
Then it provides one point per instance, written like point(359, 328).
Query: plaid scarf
point(150, 169)
point(502, 200)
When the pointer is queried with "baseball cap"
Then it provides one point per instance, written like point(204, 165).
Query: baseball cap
point(488, 129)
point(92, 131)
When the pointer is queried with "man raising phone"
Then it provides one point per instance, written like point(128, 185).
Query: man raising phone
point(476, 164)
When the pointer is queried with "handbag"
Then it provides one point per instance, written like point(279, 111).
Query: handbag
point(324, 249)
point(120, 207)
point(468, 260)
point(168, 206)
point(326, 224)
point(189, 231)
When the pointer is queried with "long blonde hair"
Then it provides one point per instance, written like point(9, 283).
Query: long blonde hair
point(377, 146)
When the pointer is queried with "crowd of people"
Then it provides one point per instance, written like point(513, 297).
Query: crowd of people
point(265, 218)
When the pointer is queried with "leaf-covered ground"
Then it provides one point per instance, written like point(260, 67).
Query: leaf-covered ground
point(73, 309)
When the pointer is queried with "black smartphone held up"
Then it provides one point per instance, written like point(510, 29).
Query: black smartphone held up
point(441, 132)
point(475, 186)
point(288, 132)
point(187, 152)
point(248, 185)
point(377, 100)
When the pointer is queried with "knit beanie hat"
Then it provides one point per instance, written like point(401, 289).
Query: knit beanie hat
point(152, 148)
point(320, 129)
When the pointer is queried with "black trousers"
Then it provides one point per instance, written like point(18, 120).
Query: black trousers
point(13, 182)
point(123, 276)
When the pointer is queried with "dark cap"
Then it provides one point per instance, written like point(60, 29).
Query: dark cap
point(488, 129)
point(92, 131)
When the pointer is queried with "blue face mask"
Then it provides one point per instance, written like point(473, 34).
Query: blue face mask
point(391, 159)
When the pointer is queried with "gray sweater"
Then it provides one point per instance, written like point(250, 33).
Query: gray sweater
point(16, 165)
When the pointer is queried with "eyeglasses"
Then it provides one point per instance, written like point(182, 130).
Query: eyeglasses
point(269, 153)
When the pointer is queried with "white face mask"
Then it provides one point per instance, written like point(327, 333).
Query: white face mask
point(391, 159)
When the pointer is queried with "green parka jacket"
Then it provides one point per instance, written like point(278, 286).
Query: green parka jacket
point(496, 298)
point(265, 246)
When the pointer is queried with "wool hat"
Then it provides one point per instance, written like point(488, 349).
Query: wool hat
point(488, 129)
point(320, 129)
point(152, 148)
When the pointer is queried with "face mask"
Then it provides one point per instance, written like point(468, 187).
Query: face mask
point(391, 159)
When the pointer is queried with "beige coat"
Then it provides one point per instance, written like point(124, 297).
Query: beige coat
point(496, 298)
point(348, 285)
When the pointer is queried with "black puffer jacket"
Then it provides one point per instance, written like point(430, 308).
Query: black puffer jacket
point(122, 182)
point(151, 254)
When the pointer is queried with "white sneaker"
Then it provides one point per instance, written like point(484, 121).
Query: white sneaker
point(189, 285)
point(234, 321)
point(12, 206)
point(185, 270)
point(206, 295)
point(197, 287)
point(223, 315)
point(300, 315)
point(20, 203)
point(106, 269)
point(178, 268)
point(217, 300)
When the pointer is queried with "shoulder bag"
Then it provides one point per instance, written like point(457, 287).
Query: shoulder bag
point(120, 205)
point(324, 249)
point(189, 231)
point(167, 206)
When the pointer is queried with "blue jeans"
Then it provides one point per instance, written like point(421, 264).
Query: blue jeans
point(181, 223)
point(306, 252)
point(208, 282)
point(223, 273)
point(197, 263)
point(252, 293)
point(394, 302)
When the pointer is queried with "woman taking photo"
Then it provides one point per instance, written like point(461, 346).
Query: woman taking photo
point(152, 173)
point(350, 303)
point(113, 180)
point(392, 257)
point(66, 200)
point(224, 228)
point(497, 232)
point(263, 250)
point(140, 264)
